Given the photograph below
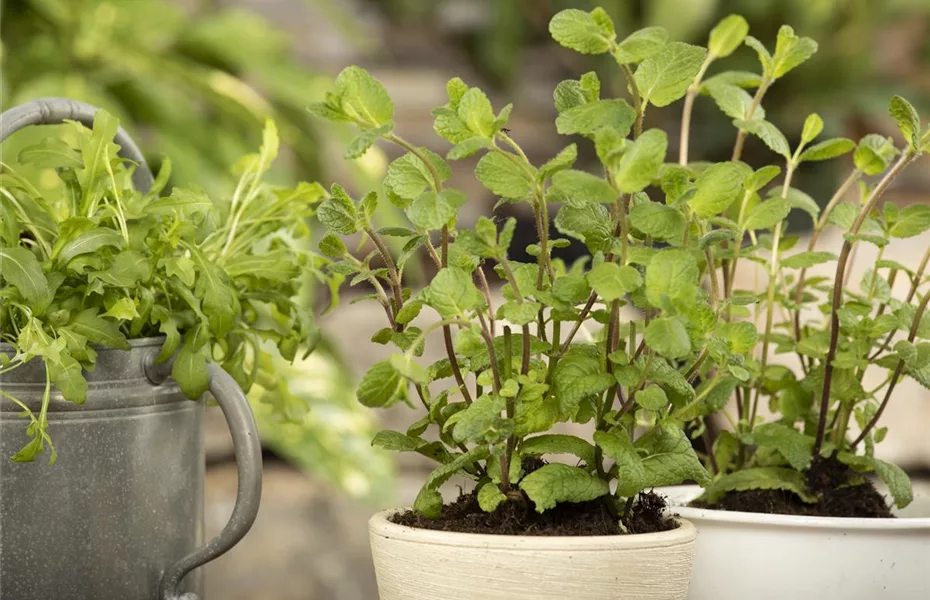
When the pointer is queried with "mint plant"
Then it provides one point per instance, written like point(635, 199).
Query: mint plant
point(95, 263)
point(664, 237)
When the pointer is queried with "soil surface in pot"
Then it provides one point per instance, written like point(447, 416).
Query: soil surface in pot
point(519, 517)
point(829, 480)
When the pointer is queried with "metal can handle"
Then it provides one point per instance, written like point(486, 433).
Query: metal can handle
point(54, 111)
point(248, 451)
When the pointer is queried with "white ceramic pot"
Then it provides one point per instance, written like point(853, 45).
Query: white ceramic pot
point(743, 556)
point(419, 564)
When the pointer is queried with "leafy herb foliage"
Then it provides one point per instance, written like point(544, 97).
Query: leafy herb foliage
point(100, 263)
point(666, 238)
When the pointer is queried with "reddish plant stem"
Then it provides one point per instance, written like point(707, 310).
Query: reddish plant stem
point(838, 284)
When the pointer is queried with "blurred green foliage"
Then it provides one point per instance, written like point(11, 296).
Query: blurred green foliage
point(193, 83)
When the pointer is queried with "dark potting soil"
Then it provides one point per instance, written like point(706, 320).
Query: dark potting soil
point(827, 479)
point(517, 516)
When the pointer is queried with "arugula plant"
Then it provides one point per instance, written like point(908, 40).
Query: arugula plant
point(100, 263)
point(664, 237)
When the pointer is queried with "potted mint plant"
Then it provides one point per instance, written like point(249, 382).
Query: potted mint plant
point(658, 233)
point(122, 305)
point(795, 484)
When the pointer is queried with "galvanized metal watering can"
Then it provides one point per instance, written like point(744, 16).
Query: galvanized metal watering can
point(119, 516)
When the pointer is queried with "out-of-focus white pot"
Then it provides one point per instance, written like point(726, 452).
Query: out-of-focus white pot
point(419, 564)
point(752, 556)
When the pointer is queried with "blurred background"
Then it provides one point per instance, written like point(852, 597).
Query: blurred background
point(194, 80)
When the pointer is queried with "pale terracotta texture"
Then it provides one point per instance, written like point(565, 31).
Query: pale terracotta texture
point(418, 564)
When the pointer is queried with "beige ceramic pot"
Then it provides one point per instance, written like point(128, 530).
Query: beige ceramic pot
point(419, 564)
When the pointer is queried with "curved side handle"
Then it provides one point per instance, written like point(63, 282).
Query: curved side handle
point(248, 451)
point(54, 111)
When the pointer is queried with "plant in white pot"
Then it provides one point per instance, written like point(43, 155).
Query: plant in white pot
point(656, 232)
point(792, 488)
point(120, 306)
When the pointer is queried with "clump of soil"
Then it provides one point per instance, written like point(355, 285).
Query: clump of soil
point(830, 481)
point(517, 516)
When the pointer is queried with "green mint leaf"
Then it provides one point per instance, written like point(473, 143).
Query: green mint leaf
point(717, 236)
point(521, 313)
point(759, 478)
point(905, 116)
point(733, 101)
point(671, 275)
point(396, 441)
point(476, 113)
point(828, 149)
point(557, 483)
point(660, 221)
point(578, 376)
point(490, 497)
point(768, 133)
point(408, 176)
point(666, 76)
point(338, 212)
point(742, 79)
point(813, 126)
point(561, 161)
point(806, 260)
point(670, 459)
point(505, 176)
point(453, 293)
point(381, 386)
point(759, 179)
point(432, 211)
point(581, 31)
point(363, 98)
point(652, 398)
point(874, 154)
point(571, 288)
point(765, 58)
point(767, 214)
point(332, 246)
point(365, 139)
point(717, 188)
point(587, 118)
point(790, 51)
point(899, 484)
point(631, 474)
point(612, 281)
point(798, 199)
point(793, 445)
point(556, 443)
point(727, 36)
point(20, 268)
point(572, 93)
point(639, 165)
point(429, 501)
point(589, 224)
point(409, 369)
point(469, 147)
point(668, 337)
point(913, 220)
point(577, 188)
point(640, 45)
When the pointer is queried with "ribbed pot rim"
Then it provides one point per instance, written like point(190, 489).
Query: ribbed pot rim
point(379, 525)
point(155, 340)
point(679, 496)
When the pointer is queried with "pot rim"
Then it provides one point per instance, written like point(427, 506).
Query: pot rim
point(379, 525)
point(685, 493)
